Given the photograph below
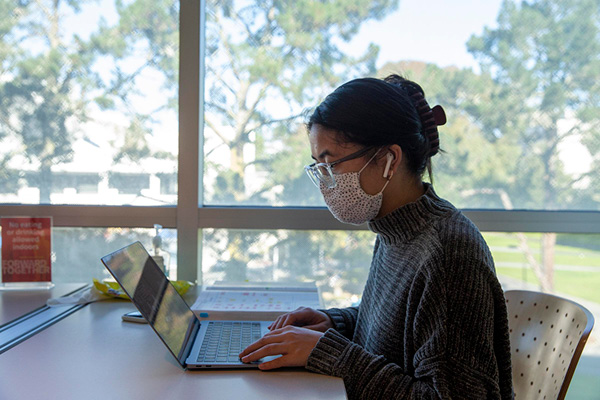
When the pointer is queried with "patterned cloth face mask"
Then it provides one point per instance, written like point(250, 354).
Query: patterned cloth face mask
point(348, 202)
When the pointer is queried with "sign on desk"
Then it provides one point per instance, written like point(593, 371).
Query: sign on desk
point(26, 249)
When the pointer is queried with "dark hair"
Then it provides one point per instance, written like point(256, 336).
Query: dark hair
point(380, 112)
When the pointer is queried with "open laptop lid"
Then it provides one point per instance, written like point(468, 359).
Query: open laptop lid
point(155, 297)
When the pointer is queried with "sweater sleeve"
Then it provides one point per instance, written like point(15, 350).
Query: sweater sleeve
point(453, 337)
point(344, 320)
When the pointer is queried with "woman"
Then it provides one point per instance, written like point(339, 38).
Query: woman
point(432, 322)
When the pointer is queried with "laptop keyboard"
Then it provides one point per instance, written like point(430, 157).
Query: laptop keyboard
point(225, 340)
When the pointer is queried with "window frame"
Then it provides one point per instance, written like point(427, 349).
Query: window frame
point(189, 217)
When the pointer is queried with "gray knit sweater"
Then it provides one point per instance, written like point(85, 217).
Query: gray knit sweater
point(432, 322)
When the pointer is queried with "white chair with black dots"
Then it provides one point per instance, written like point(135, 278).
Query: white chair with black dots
point(547, 336)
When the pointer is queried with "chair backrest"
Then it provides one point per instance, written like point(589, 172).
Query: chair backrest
point(547, 336)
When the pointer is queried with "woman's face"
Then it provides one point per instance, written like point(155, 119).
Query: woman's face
point(326, 148)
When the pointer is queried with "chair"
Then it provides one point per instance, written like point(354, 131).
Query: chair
point(547, 336)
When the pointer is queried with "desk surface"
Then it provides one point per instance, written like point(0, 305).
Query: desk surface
point(92, 354)
point(14, 303)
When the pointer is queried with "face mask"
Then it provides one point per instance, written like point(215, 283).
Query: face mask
point(348, 202)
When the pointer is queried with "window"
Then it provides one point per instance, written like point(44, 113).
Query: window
point(88, 111)
point(72, 262)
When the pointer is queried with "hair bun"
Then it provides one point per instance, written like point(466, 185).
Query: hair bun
point(431, 118)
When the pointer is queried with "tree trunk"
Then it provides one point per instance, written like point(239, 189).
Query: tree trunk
point(237, 159)
point(548, 245)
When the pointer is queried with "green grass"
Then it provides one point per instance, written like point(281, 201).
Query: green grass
point(576, 283)
point(582, 284)
point(559, 259)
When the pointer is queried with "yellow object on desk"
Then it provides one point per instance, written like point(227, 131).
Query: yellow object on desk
point(112, 288)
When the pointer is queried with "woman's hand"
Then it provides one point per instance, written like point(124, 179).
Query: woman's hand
point(305, 317)
point(292, 342)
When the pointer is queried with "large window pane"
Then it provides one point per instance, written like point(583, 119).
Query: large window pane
point(88, 111)
point(337, 261)
point(264, 65)
point(567, 265)
point(517, 81)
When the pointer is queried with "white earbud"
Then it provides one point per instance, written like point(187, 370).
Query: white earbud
point(390, 158)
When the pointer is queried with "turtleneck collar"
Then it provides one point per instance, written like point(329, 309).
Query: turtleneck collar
point(405, 222)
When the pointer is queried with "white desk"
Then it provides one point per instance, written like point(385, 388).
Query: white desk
point(14, 303)
point(92, 354)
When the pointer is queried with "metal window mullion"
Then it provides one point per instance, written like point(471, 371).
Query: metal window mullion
point(190, 70)
point(535, 221)
point(321, 219)
point(75, 216)
point(266, 218)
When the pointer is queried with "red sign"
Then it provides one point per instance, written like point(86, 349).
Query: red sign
point(26, 249)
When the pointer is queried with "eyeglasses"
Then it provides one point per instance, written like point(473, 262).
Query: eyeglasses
point(323, 172)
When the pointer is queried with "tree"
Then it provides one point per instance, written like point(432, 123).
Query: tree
point(143, 41)
point(42, 71)
point(265, 62)
point(51, 86)
point(507, 123)
point(544, 55)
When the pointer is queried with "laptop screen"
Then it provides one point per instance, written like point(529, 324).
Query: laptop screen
point(152, 293)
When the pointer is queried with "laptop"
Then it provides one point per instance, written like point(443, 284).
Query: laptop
point(195, 344)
